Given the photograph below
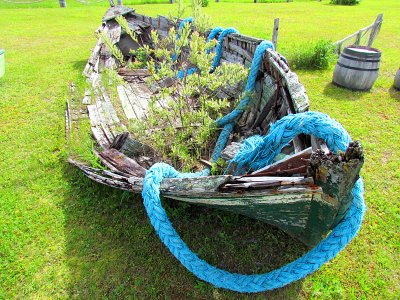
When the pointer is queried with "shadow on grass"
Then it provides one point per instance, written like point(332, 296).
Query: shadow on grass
point(79, 64)
point(395, 94)
point(339, 93)
point(113, 251)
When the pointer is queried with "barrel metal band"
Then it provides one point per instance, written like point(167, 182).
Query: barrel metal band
point(358, 59)
point(358, 69)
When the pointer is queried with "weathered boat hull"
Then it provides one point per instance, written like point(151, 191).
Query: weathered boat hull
point(302, 203)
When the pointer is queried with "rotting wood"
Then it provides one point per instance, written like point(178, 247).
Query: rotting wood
point(125, 103)
point(131, 147)
point(68, 121)
point(248, 182)
point(337, 173)
point(294, 206)
point(122, 162)
point(291, 165)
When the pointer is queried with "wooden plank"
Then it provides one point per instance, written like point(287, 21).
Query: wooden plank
point(87, 97)
point(99, 136)
point(139, 96)
point(122, 162)
point(93, 115)
point(275, 33)
point(240, 51)
point(375, 29)
point(126, 105)
point(265, 181)
point(125, 144)
point(287, 164)
point(109, 107)
point(68, 124)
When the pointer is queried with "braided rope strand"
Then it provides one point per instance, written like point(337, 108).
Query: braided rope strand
point(250, 85)
point(328, 248)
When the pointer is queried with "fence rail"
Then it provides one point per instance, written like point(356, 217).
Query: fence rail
point(364, 35)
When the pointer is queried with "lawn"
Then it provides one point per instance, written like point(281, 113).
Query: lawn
point(63, 236)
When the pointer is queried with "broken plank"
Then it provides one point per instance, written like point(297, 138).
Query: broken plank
point(123, 162)
point(298, 160)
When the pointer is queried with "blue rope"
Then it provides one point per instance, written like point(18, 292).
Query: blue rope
point(251, 81)
point(258, 152)
point(212, 35)
point(308, 123)
point(182, 73)
point(184, 21)
point(218, 49)
point(222, 141)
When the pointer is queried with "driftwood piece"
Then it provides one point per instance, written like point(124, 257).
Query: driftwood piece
point(123, 163)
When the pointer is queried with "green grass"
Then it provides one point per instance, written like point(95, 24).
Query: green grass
point(63, 236)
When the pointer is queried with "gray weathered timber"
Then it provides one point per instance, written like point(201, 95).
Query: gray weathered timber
point(275, 33)
point(300, 207)
point(122, 162)
point(357, 68)
point(132, 148)
point(291, 165)
point(303, 196)
point(67, 119)
point(337, 174)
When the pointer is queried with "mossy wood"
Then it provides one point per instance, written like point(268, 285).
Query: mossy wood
point(305, 194)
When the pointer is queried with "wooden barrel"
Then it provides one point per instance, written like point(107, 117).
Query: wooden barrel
point(397, 81)
point(357, 68)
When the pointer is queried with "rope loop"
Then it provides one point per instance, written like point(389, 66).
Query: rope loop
point(340, 236)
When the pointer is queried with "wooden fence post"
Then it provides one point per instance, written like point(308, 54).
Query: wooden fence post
point(375, 29)
point(119, 2)
point(275, 33)
point(63, 3)
point(358, 39)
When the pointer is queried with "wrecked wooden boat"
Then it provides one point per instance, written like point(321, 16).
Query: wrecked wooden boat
point(305, 192)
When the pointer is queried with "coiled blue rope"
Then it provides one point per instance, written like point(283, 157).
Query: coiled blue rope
point(314, 123)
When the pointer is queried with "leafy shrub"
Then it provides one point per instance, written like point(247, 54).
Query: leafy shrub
point(345, 2)
point(317, 55)
point(180, 118)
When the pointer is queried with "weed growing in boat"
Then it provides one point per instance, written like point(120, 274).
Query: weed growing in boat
point(115, 51)
point(186, 101)
point(202, 22)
